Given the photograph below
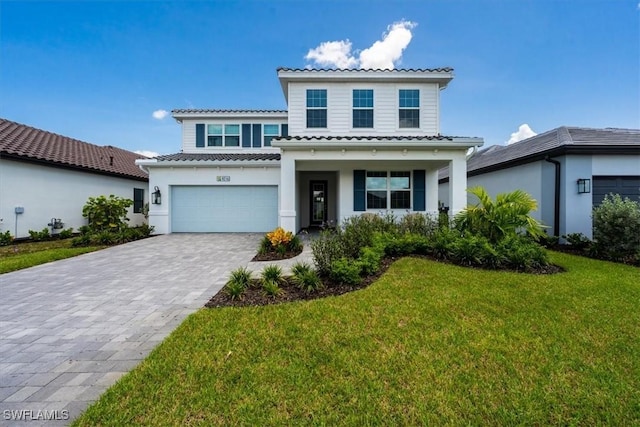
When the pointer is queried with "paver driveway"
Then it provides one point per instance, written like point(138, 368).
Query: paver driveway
point(70, 329)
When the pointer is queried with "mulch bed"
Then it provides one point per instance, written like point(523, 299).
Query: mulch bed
point(275, 256)
point(254, 296)
point(568, 249)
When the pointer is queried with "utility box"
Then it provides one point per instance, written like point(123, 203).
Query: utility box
point(19, 210)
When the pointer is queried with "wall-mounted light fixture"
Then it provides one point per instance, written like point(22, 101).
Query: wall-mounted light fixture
point(584, 186)
point(156, 197)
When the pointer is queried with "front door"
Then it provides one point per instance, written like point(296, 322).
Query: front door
point(318, 192)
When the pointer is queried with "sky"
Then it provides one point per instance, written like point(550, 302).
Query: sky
point(110, 72)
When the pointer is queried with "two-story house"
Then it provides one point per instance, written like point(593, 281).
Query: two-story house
point(351, 141)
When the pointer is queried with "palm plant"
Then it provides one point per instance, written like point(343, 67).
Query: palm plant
point(510, 213)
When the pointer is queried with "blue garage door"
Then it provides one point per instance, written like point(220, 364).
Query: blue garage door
point(205, 209)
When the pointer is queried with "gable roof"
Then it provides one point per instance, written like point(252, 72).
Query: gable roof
point(556, 142)
point(22, 142)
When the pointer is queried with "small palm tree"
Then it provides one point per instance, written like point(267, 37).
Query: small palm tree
point(510, 213)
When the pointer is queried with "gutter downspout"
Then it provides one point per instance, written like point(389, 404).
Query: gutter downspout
point(556, 197)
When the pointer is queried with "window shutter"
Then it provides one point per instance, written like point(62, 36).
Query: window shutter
point(246, 135)
point(257, 135)
point(419, 190)
point(359, 190)
point(200, 135)
point(285, 130)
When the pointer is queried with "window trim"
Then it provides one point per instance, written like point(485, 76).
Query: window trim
point(389, 189)
point(401, 108)
point(241, 133)
point(316, 108)
point(265, 135)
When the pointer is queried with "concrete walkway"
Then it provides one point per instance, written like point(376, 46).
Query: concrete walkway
point(72, 328)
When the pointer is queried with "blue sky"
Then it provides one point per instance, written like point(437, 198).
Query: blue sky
point(97, 70)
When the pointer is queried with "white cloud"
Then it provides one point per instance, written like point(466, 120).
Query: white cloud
point(383, 54)
point(160, 114)
point(147, 153)
point(524, 132)
point(336, 54)
point(386, 52)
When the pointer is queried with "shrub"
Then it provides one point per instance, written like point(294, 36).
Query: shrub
point(326, 249)
point(265, 246)
point(81, 240)
point(577, 240)
point(235, 290)
point(616, 228)
point(84, 229)
point(442, 243)
point(406, 244)
point(345, 271)
point(6, 238)
point(300, 268)
point(40, 235)
point(521, 253)
point(295, 245)
point(417, 223)
point(307, 280)
point(370, 258)
point(104, 237)
point(66, 234)
point(357, 231)
point(240, 275)
point(271, 288)
point(145, 230)
point(469, 249)
point(272, 273)
point(509, 213)
point(106, 213)
point(548, 241)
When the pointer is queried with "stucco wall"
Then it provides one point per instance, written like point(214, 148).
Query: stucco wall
point(48, 192)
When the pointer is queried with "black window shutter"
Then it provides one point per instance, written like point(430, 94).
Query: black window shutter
point(285, 130)
point(359, 190)
point(200, 135)
point(257, 135)
point(246, 135)
point(419, 190)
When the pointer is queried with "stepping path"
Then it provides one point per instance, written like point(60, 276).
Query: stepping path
point(71, 328)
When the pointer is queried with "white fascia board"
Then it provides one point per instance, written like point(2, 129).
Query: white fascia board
point(257, 115)
point(216, 163)
point(462, 143)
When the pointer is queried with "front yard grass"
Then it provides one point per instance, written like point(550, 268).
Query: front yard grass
point(23, 255)
point(429, 343)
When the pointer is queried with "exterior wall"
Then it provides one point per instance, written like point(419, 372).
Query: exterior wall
point(189, 134)
point(340, 107)
point(164, 177)
point(49, 192)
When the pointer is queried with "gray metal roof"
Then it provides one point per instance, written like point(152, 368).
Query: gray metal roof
point(231, 157)
point(562, 140)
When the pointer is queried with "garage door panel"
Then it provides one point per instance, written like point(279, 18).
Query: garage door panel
point(626, 186)
point(224, 209)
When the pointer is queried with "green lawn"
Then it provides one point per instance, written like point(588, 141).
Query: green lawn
point(429, 343)
point(23, 255)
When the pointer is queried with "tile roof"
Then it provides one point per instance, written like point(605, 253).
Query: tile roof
point(368, 138)
point(554, 142)
point(219, 157)
point(216, 111)
point(368, 70)
point(28, 143)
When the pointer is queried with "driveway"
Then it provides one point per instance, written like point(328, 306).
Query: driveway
point(72, 328)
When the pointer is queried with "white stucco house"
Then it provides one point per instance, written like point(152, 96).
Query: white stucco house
point(45, 176)
point(568, 170)
point(351, 141)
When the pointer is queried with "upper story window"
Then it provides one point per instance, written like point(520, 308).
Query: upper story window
point(316, 108)
point(223, 135)
point(388, 190)
point(270, 132)
point(362, 108)
point(409, 111)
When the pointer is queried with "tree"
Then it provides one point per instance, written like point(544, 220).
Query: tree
point(106, 213)
point(509, 214)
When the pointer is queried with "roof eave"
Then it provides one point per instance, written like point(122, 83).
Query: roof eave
point(226, 163)
point(365, 144)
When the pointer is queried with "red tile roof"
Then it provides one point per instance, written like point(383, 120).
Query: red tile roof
point(19, 141)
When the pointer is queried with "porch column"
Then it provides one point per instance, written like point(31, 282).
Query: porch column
point(457, 184)
point(431, 192)
point(288, 193)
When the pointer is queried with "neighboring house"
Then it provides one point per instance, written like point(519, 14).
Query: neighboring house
point(45, 176)
point(568, 170)
point(351, 141)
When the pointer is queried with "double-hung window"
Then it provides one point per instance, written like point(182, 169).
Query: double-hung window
point(362, 108)
point(223, 135)
point(409, 111)
point(388, 190)
point(270, 132)
point(316, 108)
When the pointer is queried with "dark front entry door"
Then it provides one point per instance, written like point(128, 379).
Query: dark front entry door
point(318, 192)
